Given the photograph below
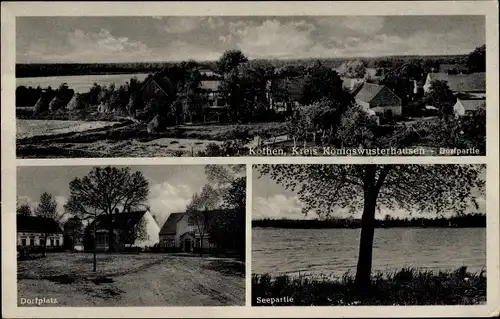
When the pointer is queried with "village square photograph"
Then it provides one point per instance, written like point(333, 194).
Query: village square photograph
point(378, 234)
point(119, 236)
point(197, 86)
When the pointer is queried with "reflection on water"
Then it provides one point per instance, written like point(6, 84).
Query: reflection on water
point(332, 252)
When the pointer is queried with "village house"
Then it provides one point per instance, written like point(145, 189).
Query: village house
point(453, 68)
point(284, 93)
point(473, 84)
point(465, 106)
point(379, 99)
point(33, 231)
point(180, 233)
point(130, 229)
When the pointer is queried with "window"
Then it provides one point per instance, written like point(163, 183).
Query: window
point(42, 242)
point(23, 241)
point(57, 242)
point(32, 241)
point(198, 242)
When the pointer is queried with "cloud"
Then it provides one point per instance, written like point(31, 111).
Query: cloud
point(101, 46)
point(274, 39)
point(278, 206)
point(361, 24)
point(166, 198)
point(182, 24)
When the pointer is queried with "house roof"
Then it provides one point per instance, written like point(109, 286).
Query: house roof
point(120, 220)
point(368, 92)
point(210, 85)
point(472, 104)
point(37, 224)
point(293, 85)
point(472, 82)
point(162, 82)
point(170, 225)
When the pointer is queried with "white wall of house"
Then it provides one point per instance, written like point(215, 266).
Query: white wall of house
point(33, 239)
point(182, 228)
point(458, 108)
point(152, 232)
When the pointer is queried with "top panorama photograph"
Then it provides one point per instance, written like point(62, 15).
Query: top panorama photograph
point(185, 86)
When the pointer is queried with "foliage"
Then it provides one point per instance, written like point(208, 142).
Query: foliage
point(104, 191)
point(24, 209)
point(442, 97)
point(229, 60)
point(133, 232)
point(47, 207)
point(352, 69)
point(408, 286)
point(323, 83)
point(476, 60)
point(73, 231)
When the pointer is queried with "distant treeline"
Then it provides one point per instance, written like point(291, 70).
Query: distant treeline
point(469, 220)
point(61, 69)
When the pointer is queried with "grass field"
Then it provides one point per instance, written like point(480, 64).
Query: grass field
point(132, 280)
point(408, 286)
point(30, 128)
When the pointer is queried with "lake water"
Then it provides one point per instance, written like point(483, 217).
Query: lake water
point(332, 252)
point(79, 83)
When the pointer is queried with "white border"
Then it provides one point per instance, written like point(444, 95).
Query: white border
point(9, 285)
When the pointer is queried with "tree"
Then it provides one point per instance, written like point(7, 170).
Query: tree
point(47, 208)
point(421, 188)
point(476, 60)
point(197, 210)
point(353, 69)
point(442, 97)
point(73, 231)
point(229, 60)
point(24, 210)
point(106, 189)
point(132, 232)
point(228, 230)
point(323, 83)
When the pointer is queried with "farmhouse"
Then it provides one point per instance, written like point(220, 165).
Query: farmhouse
point(283, 93)
point(130, 229)
point(181, 233)
point(472, 83)
point(157, 85)
point(36, 231)
point(379, 99)
point(466, 106)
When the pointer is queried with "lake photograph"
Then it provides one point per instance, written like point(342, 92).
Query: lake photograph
point(368, 235)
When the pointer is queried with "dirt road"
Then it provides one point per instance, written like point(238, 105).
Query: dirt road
point(164, 281)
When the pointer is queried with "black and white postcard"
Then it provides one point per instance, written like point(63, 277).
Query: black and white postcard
point(343, 235)
point(250, 159)
point(154, 86)
point(131, 236)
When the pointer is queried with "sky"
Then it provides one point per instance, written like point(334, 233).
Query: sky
point(170, 187)
point(272, 200)
point(143, 39)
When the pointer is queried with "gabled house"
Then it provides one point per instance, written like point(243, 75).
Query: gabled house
point(130, 229)
point(465, 106)
point(472, 83)
point(379, 99)
point(35, 231)
point(285, 92)
point(183, 234)
point(155, 85)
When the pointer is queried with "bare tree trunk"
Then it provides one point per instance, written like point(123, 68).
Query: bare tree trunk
point(44, 245)
point(94, 269)
point(364, 267)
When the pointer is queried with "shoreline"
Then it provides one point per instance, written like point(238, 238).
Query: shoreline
point(408, 286)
